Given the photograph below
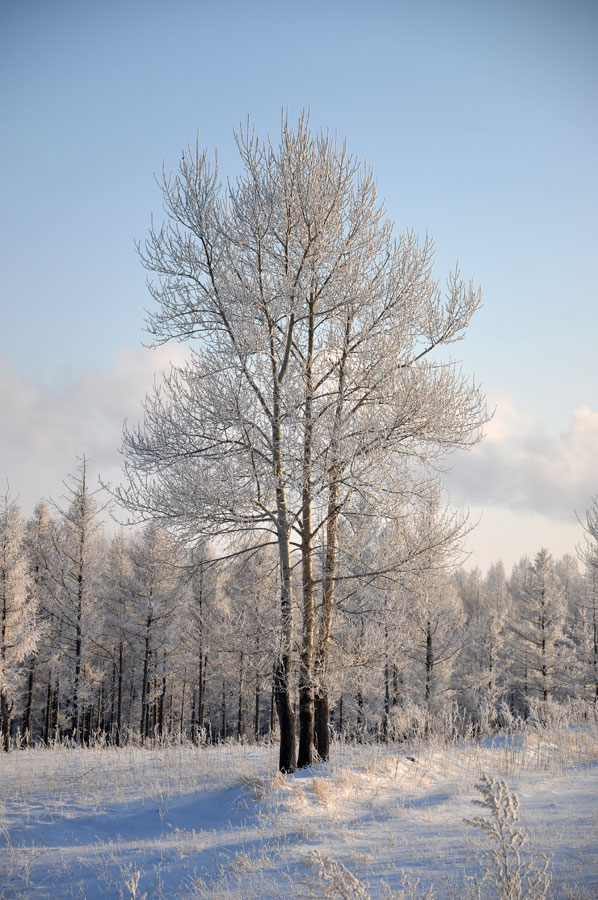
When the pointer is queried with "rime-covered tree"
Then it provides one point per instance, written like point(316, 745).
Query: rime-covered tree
point(18, 626)
point(588, 643)
point(481, 664)
point(436, 632)
point(77, 572)
point(537, 622)
point(310, 378)
point(116, 638)
point(155, 599)
point(40, 551)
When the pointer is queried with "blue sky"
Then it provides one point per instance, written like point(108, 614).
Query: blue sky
point(480, 122)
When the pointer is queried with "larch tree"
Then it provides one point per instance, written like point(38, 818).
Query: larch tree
point(116, 638)
point(18, 626)
point(39, 545)
point(155, 599)
point(588, 650)
point(308, 377)
point(486, 604)
point(196, 639)
point(77, 574)
point(537, 624)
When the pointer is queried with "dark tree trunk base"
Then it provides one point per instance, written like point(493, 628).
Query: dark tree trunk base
point(286, 719)
point(306, 729)
point(321, 730)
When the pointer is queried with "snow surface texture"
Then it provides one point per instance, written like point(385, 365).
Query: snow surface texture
point(220, 822)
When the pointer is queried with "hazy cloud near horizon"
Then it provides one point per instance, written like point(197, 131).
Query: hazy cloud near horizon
point(45, 428)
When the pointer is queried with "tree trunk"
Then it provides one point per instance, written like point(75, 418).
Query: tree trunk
point(321, 711)
point(306, 674)
point(429, 662)
point(48, 718)
point(256, 717)
point(4, 710)
point(100, 715)
point(55, 732)
point(240, 718)
point(182, 732)
point(28, 718)
point(286, 716)
point(201, 699)
point(144, 724)
point(119, 702)
point(193, 717)
point(595, 653)
point(360, 716)
point(386, 720)
point(272, 703)
point(161, 703)
point(223, 711)
point(5, 720)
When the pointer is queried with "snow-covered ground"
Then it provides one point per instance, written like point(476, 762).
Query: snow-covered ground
point(183, 822)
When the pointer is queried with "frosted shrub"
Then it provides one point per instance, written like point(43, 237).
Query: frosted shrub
point(330, 880)
point(132, 884)
point(507, 720)
point(506, 875)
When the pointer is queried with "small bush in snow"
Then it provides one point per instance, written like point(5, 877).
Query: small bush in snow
point(507, 876)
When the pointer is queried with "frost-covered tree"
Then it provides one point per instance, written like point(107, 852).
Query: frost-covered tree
point(18, 626)
point(77, 575)
point(539, 613)
point(588, 643)
point(481, 662)
point(310, 378)
point(436, 630)
point(116, 638)
point(40, 550)
point(155, 600)
point(196, 640)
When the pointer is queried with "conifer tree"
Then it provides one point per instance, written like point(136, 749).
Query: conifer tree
point(537, 625)
point(588, 644)
point(77, 561)
point(18, 625)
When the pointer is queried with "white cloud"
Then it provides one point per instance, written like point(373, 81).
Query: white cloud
point(45, 428)
point(521, 467)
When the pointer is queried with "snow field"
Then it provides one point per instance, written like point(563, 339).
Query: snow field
point(187, 823)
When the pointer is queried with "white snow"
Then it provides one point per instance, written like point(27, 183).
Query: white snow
point(221, 822)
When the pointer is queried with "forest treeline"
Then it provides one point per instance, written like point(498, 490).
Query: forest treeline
point(132, 637)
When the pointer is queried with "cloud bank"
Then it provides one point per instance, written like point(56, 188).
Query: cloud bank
point(520, 466)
